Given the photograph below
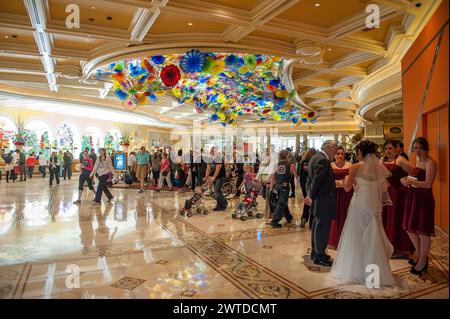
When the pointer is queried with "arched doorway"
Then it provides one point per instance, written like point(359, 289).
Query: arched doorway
point(112, 139)
point(67, 138)
point(92, 138)
point(39, 137)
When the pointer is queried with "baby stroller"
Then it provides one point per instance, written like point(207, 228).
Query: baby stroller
point(247, 208)
point(195, 204)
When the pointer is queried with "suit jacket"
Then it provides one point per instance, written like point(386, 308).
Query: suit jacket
point(321, 187)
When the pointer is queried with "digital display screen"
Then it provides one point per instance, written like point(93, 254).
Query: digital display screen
point(120, 161)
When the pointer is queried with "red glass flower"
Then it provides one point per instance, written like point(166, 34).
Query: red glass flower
point(170, 75)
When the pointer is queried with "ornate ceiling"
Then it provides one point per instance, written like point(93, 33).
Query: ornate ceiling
point(340, 64)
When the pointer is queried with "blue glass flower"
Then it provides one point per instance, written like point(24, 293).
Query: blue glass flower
point(192, 61)
point(275, 82)
point(122, 95)
point(231, 60)
point(158, 59)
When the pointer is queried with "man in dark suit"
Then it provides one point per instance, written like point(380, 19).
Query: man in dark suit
point(321, 191)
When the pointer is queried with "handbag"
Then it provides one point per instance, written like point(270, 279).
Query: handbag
point(264, 178)
point(16, 169)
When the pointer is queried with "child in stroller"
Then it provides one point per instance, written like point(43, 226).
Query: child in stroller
point(194, 204)
point(247, 208)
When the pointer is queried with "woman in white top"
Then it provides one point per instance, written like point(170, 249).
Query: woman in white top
point(103, 166)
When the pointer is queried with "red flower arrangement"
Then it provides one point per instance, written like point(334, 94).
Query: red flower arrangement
point(170, 75)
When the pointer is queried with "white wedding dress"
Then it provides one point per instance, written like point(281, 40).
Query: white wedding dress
point(363, 241)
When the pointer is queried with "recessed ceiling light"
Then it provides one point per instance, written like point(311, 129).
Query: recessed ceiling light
point(329, 49)
point(189, 23)
point(6, 37)
point(93, 7)
point(317, 4)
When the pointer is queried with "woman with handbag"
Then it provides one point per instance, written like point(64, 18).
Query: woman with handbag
point(164, 169)
point(103, 167)
point(9, 166)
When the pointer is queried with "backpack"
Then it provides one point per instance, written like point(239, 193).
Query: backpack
point(127, 178)
point(8, 159)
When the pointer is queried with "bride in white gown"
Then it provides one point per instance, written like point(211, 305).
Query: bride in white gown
point(363, 241)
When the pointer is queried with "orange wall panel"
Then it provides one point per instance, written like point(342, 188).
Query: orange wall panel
point(416, 66)
point(443, 165)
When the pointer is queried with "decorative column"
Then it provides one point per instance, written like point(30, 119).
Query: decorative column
point(297, 142)
point(305, 141)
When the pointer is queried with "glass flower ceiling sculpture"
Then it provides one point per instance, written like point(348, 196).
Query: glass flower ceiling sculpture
point(228, 85)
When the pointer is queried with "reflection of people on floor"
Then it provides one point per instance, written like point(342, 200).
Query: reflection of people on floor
point(87, 231)
point(141, 217)
point(103, 238)
point(120, 212)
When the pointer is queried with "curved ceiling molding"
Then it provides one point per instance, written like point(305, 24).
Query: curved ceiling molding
point(289, 83)
point(171, 48)
point(372, 110)
point(376, 86)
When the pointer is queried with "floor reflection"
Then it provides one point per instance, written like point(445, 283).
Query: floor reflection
point(140, 247)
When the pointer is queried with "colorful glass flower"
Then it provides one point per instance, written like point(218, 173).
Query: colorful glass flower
point(250, 61)
point(192, 61)
point(231, 60)
point(170, 75)
point(158, 59)
point(217, 67)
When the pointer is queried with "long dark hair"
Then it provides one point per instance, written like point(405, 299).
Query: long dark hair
point(104, 154)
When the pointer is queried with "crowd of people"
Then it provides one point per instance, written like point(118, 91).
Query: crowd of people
point(18, 166)
point(335, 186)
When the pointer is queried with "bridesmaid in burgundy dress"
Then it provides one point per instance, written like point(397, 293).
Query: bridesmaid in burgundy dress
point(340, 170)
point(418, 218)
point(393, 215)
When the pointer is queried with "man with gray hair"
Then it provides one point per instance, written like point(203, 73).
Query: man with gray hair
point(321, 191)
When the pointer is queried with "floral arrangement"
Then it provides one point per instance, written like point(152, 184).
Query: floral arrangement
point(125, 141)
point(226, 85)
point(20, 138)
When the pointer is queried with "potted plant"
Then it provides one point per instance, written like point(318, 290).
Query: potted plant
point(20, 139)
point(125, 142)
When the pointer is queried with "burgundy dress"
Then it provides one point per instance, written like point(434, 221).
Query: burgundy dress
point(393, 215)
point(419, 208)
point(343, 199)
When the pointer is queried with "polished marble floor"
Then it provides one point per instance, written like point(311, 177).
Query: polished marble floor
point(140, 247)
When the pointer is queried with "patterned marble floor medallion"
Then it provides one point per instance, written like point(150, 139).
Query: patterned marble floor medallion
point(188, 293)
point(320, 293)
point(128, 283)
point(254, 280)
